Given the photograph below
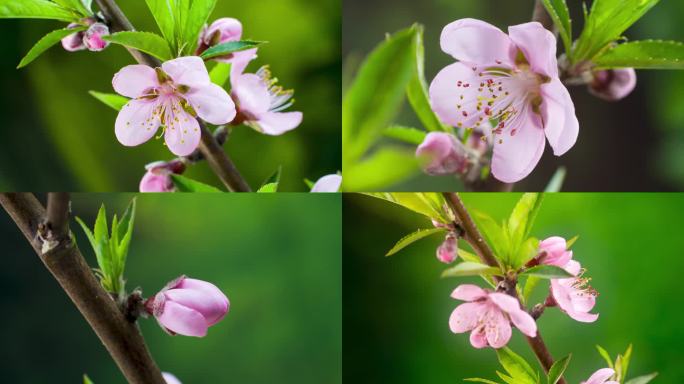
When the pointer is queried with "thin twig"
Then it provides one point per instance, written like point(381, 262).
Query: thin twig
point(473, 236)
point(121, 338)
point(219, 161)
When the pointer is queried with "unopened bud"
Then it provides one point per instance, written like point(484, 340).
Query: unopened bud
point(448, 250)
point(93, 37)
point(443, 154)
point(613, 84)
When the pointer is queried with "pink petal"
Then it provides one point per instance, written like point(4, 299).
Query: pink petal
point(600, 376)
point(515, 156)
point(560, 122)
point(476, 42)
point(468, 292)
point(465, 317)
point(252, 95)
point(182, 320)
point(239, 61)
point(573, 267)
point(328, 183)
point(212, 103)
point(478, 338)
point(188, 70)
point(212, 307)
point(519, 317)
point(445, 96)
point(156, 182)
point(583, 317)
point(498, 330)
point(136, 122)
point(183, 137)
point(208, 289)
point(277, 123)
point(133, 80)
point(538, 45)
point(230, 29)
point(170, 379)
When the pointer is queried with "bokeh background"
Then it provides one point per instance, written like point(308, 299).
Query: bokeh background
point(396, 309)
point(55, 136)
point(634, 145)
point(276, 258)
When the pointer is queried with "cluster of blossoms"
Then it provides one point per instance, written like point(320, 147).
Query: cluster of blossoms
point(505, 91)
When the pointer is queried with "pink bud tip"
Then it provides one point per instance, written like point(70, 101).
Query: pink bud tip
point(448, 250)
point(613, 84)
point(74, 42)
point(158, 176)
point(443, 154)
point(93, 37)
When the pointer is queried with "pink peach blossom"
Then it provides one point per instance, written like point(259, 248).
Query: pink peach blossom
point(511, 79)
point(328, 183)
point(613, 84)
point(601, 377)
point(158, 176)
point(172, 96)
point(553, 251)
point(443, 154)
point(574, 296)
point(488, 315)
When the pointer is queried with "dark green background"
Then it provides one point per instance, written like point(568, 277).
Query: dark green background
point(276, 258)
point(57, 137)
point(634, 145)
point(396, 310)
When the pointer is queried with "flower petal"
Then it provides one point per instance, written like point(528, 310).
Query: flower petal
point(560, 122)
point(277, 123)
point(132, 81)
point(465, 317)
point(600, 376)
point(182, 320)
point(156, 182)
point(468, 292)
point(519, 317)
point(328, 183)
point(136, 122)
point(188, 70)
point(183, 136)
point(454, 96)
point(476, 42)
point(239, 61)
point(212, 103)
point(213, 307)
point(478, 338)
point(498, 330)
point(252, 95)
point(516, 155)
point(538, 45)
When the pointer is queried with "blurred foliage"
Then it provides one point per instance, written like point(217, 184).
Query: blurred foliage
point(277, 258)
point(57, 137)
point(636, 144)
point(396, 309)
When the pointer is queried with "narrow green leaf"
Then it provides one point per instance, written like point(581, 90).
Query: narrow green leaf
point(229, 47)
point(516, 366)
point(197, 17)
point(467, 256)
point(35, 9)
point(422, 203)
point(605, 355)
point(469, 268)
point(110, 99)
point(643, 379)
point(556, 182)
point(147, 42)
point(569, 243)
point(88, 232)
point(525, 252)
point(557, 369)
point(412, 238)
point(479, 380)
point(101, 231)
point(624, 363)
point(126, 233)
point(46, 42)
point(86, 380)
point(523, 216)
point(163, 13)
point(560, 14)
point(387, 166)
point(405, 134)
point(547, 272)
point(76, 5)
point(495, 235)
point(184, 184)
point(271, 184)
point(88, 4)
point(647, 54)
point(220, 74)
point(530, 284)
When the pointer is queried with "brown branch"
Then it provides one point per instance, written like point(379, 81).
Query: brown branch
point(472, 235)
point(58, 215)
point(219, 161)
point(121, 338)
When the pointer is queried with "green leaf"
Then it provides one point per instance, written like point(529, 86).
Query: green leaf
point(479, 380)
point(622, 364)
point(110, 99)
point(417, 90)
point(606, 356)
point(76, 5)
point(522, 218)
point(496, 236)
point(469, 268)
point(125, 233)
point(388, 165)
point(197, 17)
point(375, 95)
point(530, 284)
point(516, 366)
point(643, 379)
point(557, 369)
point(220, 74)
point(556, 182)
point(271, 184)
point(229, 47)
point(405, 134)
point(547, 272)
point(525, 252)
point(163, 12)
point(467, 256)
point(571, 242)
point(101, 231)
point(412, 238)
point(35, 9)
point(184, 184)
point(147, 42)
point(560, 14)
point(428, 204)
point(86, 380)
point(647, 54)
point(46, 42)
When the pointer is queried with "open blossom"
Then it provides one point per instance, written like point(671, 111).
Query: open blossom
point(188, 306)
point(443, 154)
point(574, 296)
point(158, 176)
point(601, 377)
point(553, 251)
point(328, 183)
point(613, 84)
point(488, 315)
point(170, 379)
point(172, 96)
point(90, 39)
point(511, 79)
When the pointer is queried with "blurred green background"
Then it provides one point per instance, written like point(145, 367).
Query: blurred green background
point(396, 310)
point(276, 258)
point(57, 137)
point(634, 145)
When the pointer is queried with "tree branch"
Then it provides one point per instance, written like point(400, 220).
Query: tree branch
point(58, 215)
point(472, 235)
point(64, 261)
point(219, 161)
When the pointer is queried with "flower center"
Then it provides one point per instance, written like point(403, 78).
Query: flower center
point(281, 99)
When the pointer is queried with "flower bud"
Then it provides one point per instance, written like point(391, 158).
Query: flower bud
point(158, 176)
point(221, 31)
point(74, 42)
point(448, 250)
point(93, 37)
point(613, 84)
point(188, 307)
point(170, 379)
point(553, 251)
point(328, 183)
point(444, 155)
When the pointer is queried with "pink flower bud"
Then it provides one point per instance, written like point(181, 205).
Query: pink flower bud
point(221, 31)
point(93, 37)
point(444, 154)
point(170, 379)
point(158, 176)
point(328, 183)
point(188, 307)
point(613, 84)
point(448, 250)
point(553, 251)
point(74, 42)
